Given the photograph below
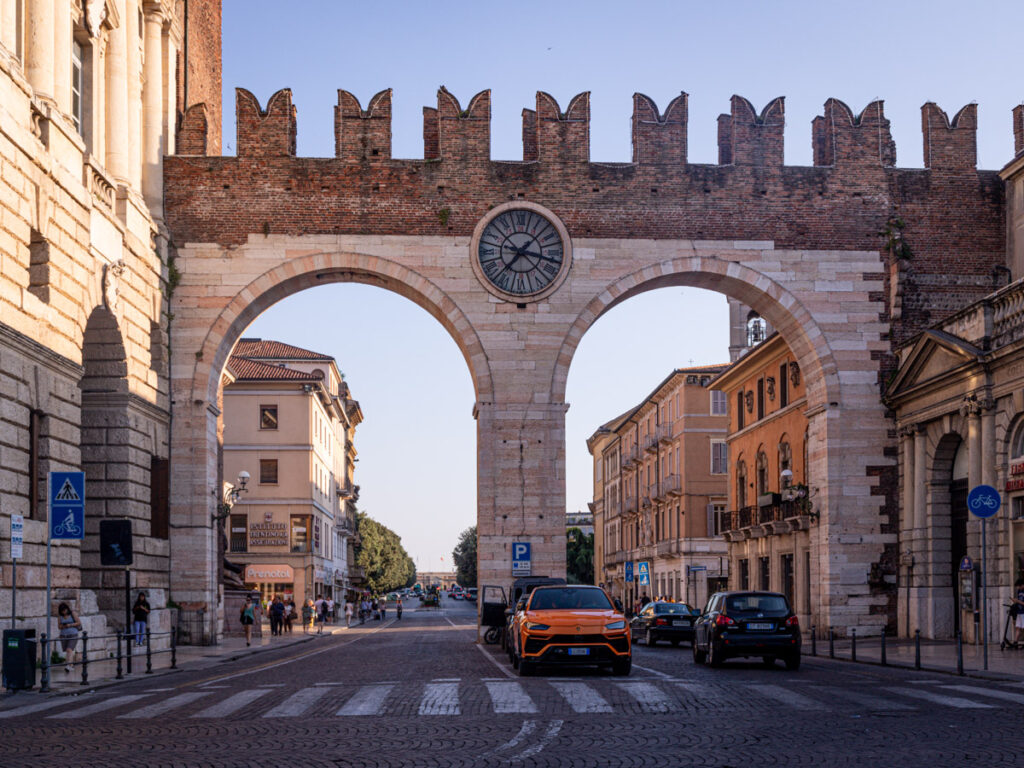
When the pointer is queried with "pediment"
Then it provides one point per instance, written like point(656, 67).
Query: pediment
point(934, 355)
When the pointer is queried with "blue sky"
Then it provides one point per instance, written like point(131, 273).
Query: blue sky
point(417, 445)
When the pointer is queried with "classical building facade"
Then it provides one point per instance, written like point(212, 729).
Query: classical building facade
point(661, 469)
point(770, 508)
point(289, 420)
point(90, 96)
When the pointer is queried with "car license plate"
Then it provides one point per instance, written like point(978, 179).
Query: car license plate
point(579, 651)
point(762, 627)
point(679, 623)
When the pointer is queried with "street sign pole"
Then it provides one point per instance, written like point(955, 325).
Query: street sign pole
point(49, 537)
point(17, 552)
point(984, 501)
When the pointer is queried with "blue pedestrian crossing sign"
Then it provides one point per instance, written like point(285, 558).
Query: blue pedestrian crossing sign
point(644, 571)
point(66, 495)
point(629, 570)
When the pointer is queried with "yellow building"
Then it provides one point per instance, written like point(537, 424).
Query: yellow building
point(289, 423)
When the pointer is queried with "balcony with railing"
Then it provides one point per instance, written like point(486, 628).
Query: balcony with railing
point(653, 491)
point(651, 443)
point(671, 485)
point(628, 504)
point(781, 515)
point(665, 432)
point(665, 548)
point(631, 455)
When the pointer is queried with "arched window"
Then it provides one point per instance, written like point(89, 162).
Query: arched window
point(762, 473)
point(785, 464)
point(741, 484)
point(757, 329)
point(1017, 444)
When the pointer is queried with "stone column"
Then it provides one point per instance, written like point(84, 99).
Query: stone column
point(62, 57)
point(920, 483)
point(118, 151)
point(9, 25)
point(153, 112)
point(909, 486)
point(134, 81)
point(39, 41)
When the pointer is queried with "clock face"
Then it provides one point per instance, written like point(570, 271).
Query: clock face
point(521, 252)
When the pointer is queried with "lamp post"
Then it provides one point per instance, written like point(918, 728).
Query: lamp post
point(230, 496)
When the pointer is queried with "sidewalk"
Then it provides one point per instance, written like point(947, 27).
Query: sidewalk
point(936, 656)
point(103, 673)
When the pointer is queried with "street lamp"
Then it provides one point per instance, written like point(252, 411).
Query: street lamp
point(230, 496)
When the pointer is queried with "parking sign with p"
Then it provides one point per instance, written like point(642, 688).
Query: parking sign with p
point(521, 558)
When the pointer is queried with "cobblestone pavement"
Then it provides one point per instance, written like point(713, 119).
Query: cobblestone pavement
point(420, 693)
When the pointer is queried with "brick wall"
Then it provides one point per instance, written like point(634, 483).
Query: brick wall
point(199, 79)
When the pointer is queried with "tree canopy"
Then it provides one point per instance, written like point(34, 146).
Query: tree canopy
point(380, 552)
point(464, 555)
point(579, 556)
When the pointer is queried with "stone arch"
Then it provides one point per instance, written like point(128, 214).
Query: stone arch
point(783, 311)
point(321, 268)
point(941, 524)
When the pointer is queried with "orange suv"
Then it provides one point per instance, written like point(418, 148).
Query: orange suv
point(575, 625)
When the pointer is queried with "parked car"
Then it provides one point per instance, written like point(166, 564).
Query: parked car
point(664, 621)
point(471, 593)
point(736, 624)
point(570, 625)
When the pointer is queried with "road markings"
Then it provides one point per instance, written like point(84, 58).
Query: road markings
point(868, 702)
point(791, 698)
point(447, 680)
point(232, 704)
point(525, 730)
point(271, 685)
point(993, 693)
point(32, 708)
point(368, 700)
point(649, 697)
point(938, 698)
point(297, 703)
point(99, 706)
point(552, 732)
point(318, 684)
point(510, 698)
point(707, 694)
point(582, 698)
point(440, 699)
point(652, 671)
point(160, 707)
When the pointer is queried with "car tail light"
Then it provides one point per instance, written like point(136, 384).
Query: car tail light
point(661, 622)
point(723, 621)
point(793, 621)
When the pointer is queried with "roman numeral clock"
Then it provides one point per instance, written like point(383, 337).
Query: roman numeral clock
point(521, 252)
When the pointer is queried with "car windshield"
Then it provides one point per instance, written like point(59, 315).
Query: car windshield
point(680, 609)
point(765, 605)
point(569, 599)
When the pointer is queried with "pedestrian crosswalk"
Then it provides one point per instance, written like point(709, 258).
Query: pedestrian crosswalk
point(557, 697)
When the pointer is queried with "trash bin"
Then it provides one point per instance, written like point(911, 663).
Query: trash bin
point(19, 659)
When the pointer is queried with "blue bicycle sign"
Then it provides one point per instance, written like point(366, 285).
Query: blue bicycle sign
point(983, 501)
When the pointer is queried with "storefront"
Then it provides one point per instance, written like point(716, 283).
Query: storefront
point(271, 580)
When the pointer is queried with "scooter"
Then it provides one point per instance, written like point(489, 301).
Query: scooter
point(1009, 628)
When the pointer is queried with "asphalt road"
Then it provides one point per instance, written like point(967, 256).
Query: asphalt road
point(420, 693)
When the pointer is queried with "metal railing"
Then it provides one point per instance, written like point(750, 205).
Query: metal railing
point(123, 655)
point(883, 656)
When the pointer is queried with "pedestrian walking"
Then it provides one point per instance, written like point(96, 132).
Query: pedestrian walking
point(364, 610)
point(321, 617)
point(1018, 603)
point(307, 616)
point(276, 615)
point(349, 609)
point(330, 609)
point(383, 608)
point(398, 609)
point(289, 615)
point(140, 618)
point(247, 618)
point(69, 627)
point(376, 609)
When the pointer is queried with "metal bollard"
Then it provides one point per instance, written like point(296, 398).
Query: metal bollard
point(831, 643)
point(119, 675)
point(44, 683)
point(917, 649)
point(128, 652)
point(85, 658)
point(853, 644)
point(884, 661)
point(149, 653)
point(174, 648)
point(959, 654)
point(814, 640)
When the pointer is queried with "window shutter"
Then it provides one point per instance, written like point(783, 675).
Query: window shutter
point(712, 528)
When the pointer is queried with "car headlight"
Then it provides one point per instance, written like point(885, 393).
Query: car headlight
point(536, 626)
point(616, 625)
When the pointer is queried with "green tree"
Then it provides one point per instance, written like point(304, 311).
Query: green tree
point(464, 555)
point(380, 552)
point(579, 556)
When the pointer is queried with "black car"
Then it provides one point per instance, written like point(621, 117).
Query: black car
point(747, 624)
point(664, 621)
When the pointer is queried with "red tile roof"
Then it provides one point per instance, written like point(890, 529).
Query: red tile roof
point(259, 349)
point(244, 369)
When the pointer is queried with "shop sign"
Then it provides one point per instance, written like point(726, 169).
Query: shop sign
point(1016, 481)
point(284, 574)
point(268, 534)
point(316, 535)
point(318, 574)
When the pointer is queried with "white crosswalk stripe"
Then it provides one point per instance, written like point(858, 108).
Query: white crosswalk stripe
point(938, 698)
point(32, 708)
point(788, 697)
point(99, 706)
point(995, 693)
point(648, 696)
point(232, 704)
point(161, 707)
point(297, 704)
point(510, 698)
point(581, 697)
point(368, 700)
point(440, 699)
point(865, 700)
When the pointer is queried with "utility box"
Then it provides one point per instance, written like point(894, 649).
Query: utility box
point(19, 659)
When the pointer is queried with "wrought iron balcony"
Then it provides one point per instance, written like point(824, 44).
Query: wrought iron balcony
point(671, 485)
point(665, 433)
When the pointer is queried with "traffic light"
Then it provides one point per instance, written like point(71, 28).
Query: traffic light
point(115, 542)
